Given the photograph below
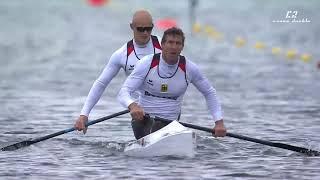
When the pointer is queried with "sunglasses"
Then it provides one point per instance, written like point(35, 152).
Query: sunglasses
point(143, 29)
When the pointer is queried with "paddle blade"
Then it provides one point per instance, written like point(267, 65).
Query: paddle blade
point(18, 145)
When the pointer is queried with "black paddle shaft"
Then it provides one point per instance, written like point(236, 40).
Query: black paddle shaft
point(306, 151)
point(32, 141)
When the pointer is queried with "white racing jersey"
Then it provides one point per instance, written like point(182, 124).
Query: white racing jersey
point(163, 86)
point(124, 58)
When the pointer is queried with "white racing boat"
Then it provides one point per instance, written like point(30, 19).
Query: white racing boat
point(172, 140)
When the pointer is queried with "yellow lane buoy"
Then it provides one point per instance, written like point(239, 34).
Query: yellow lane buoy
point(259, 45)
point(291, 54)
point(276, 50)
point(239, 42)
point(306, 57)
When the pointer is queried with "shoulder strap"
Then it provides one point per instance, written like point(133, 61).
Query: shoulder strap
point(155, 60)
point(182, 66)
point(130, 48)
point(182, 63)
point(155, 42)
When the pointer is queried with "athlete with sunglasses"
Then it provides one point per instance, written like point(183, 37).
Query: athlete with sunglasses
point(142, 44)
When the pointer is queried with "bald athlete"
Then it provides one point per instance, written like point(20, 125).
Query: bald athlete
point(142, 44)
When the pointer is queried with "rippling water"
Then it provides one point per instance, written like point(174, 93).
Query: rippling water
point(52, 51)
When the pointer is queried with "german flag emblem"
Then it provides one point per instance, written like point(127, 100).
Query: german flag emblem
point(164, 88)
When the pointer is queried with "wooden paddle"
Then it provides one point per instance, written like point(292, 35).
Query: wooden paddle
point(306, 151)
point(32, 141)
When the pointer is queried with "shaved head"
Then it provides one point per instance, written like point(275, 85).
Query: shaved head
point(142, 17)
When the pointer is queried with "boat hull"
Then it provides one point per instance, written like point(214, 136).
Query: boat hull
point(172, 140)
